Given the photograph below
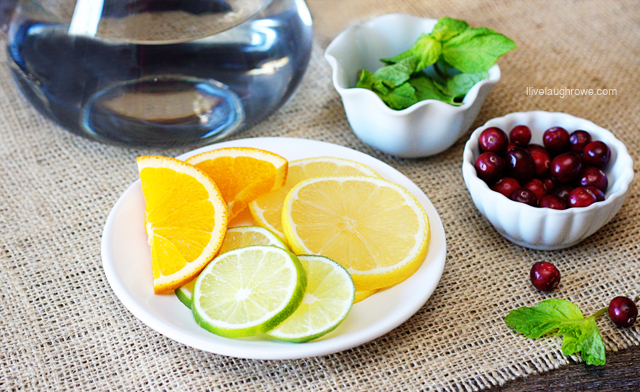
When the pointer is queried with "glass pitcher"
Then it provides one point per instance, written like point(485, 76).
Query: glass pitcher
point(160, 73)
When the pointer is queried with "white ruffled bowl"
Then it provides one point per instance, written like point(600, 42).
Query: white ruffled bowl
point(545, 228)
point(423, 129)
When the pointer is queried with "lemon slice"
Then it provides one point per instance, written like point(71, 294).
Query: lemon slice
point(186, 219)
point(361, 295)
point(327, 301)
point(237, 237)
point(267, 209)
point(374, 228)
point(248, 291)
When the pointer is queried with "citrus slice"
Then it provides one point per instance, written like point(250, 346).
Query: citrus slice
point(185, 219)
point(248, 290)
point(361, 295)
point(237, 237)
point(327, 301)
point(267, 209)
point(242, 173)
point(374, 228)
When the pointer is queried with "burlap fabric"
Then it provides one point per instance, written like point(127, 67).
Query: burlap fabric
point(62, 327)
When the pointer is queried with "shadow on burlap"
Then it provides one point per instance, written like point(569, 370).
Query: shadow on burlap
point(62, 327)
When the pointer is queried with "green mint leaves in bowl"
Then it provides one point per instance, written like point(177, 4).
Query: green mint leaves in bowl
point(406, 110)
point(441, 65)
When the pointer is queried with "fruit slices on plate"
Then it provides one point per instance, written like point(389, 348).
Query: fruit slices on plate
point(376, 231)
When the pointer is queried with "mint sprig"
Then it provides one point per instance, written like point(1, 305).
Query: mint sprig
point(561, 317)
point(460, 56)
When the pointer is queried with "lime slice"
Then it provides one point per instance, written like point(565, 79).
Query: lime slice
point(248, 290)
point(327, 301)
point(239, 237)
point(185, 292)
point(236, 237)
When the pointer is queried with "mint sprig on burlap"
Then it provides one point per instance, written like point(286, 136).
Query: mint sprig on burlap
point(460, 56)
point(561, 317)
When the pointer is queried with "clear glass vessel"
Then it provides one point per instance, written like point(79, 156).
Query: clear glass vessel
point(159, 73)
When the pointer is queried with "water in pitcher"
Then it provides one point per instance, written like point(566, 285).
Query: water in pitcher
point(135, 80)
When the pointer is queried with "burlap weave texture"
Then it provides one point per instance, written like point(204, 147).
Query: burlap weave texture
point(63, 328)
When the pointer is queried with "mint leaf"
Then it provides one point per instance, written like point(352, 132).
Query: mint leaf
point(426, 50)
point(447, 28)
point(426, 88)
point(459, 85)
point(592, 346)
point(365, 80)
point(380, 87)
point(451, 44)
point(587, 340)
point(549, 315)
point(392, 60)
point(561, 317)
point(399, 98)
point(390, 84)
point(476, 50)
point(396, 74)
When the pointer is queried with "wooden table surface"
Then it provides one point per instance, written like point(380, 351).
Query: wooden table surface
point(620, 374)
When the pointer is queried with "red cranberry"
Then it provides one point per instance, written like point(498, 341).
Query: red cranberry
point(493, 140)
point(556, 140)
point(511, 146)
point(536, 148)
point(563, 191)
point(553, 202)
point(523, 195)
point(537, 187)
point(599, 194)
point(542, 162)
point(520, 135)
point(596, 154)
point(520, 165)
point(548, 182)
point(506, 185)
point(489, 167)
point(592, 176)
point(623, 311)
point(544, 276)
point(581, 197)
point(578, 139)
point(566, 167)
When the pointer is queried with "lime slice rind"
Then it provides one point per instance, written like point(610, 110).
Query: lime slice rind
point(184, 295)
point(248, 291)
point(327, 302)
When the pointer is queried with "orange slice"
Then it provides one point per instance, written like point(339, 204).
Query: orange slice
point(186, 219)
point(242, 174)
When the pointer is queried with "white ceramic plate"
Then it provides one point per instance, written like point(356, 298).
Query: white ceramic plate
point(127, 263)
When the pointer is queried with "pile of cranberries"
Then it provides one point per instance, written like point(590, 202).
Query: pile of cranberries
point(565, 172)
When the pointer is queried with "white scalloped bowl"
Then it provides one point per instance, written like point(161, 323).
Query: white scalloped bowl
point(545, 228)
point(426, 128)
